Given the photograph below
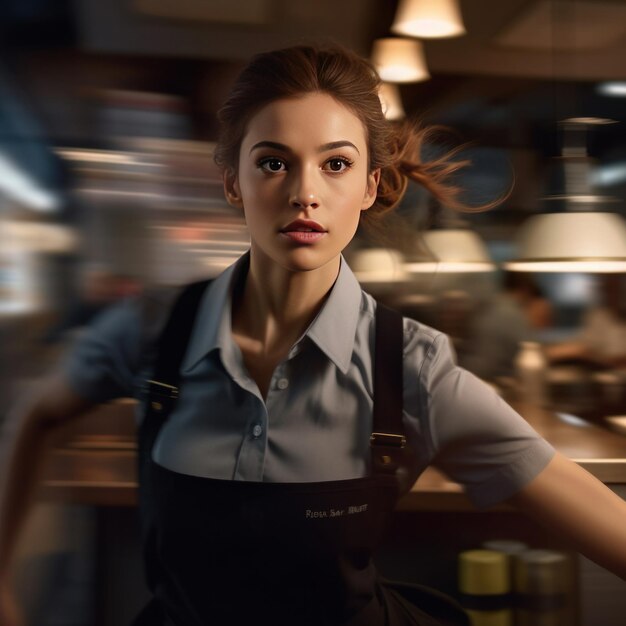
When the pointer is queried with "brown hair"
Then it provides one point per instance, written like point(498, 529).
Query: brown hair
point(352, 81)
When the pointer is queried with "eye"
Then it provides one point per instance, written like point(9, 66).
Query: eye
point(337, 164)
point(272, 164)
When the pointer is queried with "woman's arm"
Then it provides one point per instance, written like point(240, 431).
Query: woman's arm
point(30, 428)
point(569, 500)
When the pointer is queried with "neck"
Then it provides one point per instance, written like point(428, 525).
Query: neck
point(276, 305)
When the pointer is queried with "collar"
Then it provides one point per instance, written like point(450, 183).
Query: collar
point(333, 329)
point(213, 328)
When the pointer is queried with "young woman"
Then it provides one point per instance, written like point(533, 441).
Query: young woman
point(283, 411)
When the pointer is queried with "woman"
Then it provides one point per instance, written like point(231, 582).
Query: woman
point(276, 433)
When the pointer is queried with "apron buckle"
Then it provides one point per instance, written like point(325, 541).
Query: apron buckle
point(387, 439)
point(160, 396)
point(154, 387)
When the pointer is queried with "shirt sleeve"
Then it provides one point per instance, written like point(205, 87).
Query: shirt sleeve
point(477, 439)
point(103, 362)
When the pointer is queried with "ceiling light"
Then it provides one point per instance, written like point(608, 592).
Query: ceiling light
point(455, 250)
point(391, 101)
point(400, 60)
point(589, 121)
point(615, 88)
point(610, 174)
point(428, 19)
point(377, 265)
point(19, 186)
point(571, 242)
point(581, 238)
point(97, 156)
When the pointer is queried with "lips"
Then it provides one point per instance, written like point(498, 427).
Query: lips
point(303, 226)
point(303, 232)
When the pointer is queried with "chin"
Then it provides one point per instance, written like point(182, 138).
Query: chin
point(306, 259)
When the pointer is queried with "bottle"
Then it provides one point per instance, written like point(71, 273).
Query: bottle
point(484, 584)
point(543, 588)
point(531, 370)
point(508, 547)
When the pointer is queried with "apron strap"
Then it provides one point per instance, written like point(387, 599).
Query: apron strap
point(162, 389)
point(388, 441)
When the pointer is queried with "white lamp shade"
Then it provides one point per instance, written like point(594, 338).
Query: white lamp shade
point(428, 19)
point(399, 60)
point(391, 101)
point(455, 251)
point(377, 265)
point(571, 242)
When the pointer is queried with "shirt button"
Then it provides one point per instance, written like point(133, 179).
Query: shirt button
point(257, 430)
point(282, 383)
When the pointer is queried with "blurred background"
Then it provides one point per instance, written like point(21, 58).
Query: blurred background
point(107, 124)
point(107, 183)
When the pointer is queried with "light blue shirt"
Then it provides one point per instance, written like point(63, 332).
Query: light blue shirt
point(315, 423)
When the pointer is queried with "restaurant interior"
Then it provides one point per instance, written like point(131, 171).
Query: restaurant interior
point(108, 188)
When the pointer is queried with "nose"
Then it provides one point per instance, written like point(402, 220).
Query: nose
point(301, 201)
point(302, 194)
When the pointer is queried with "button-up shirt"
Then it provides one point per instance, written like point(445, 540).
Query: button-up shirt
point(316, 420)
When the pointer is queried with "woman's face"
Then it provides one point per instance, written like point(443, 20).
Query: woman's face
point(303, 181)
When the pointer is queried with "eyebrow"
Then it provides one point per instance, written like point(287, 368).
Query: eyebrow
point(333, 145)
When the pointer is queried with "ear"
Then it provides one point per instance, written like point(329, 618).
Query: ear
point(371, 190)
point(232, 192)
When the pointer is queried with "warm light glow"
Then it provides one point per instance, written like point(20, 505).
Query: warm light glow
point(391, 101)
point(598, 266)
point(38, 236)
point(399, 60)
point(584, 241)
point(377, 265)
point(455, 250)
point(448, 267)
point(97, 156)
point(428, 19)
point(589, 121)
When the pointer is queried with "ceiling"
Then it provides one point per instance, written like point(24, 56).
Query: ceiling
point(523, 65)
point(516, 42)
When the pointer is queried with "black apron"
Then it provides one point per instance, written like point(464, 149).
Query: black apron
point(237, 552)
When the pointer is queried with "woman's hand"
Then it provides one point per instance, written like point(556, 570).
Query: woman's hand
point(32, 424)
point(10, 613)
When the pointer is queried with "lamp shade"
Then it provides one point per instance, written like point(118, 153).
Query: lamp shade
point(391, 101)
point(455, 250)
point(377, 265)
point(571, 242)
point(428, 19)
point(399, 60)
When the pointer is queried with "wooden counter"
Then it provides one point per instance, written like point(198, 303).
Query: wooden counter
point(95, 464)
point(599, 451)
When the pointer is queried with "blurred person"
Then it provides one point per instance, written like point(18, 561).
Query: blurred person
point(601, 340)
point(537, 307)
point(283, 411)
point(512, 315)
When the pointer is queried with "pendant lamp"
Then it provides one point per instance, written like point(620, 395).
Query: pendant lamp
point(455, 250)
point(377, 266)
point(451, 246)
point(584, 241)
point(586, 237)
point(428, 19)
point(391, 101)
point(399, 60)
